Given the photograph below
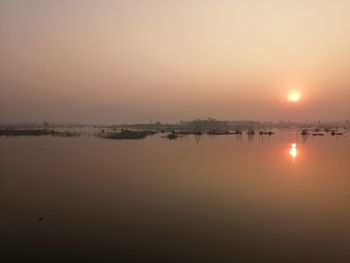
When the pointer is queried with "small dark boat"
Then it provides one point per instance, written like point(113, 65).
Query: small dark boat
point(237, 132)
point(266, 132)
point(336, 133)
point(172, 136)
point(304, 132)
point(251, 132)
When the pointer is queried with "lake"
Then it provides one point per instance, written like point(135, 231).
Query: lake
point(228, 198)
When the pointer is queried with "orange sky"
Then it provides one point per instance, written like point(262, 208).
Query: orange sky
point(129, 61)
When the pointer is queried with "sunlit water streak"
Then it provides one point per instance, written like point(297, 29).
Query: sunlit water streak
point(293, 150)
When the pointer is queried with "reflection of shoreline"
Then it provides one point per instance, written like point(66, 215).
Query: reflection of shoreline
point(293, 151)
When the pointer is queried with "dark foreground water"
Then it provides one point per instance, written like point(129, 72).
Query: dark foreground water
point(198, 199)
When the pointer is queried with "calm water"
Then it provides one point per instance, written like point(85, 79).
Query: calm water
point(198, 199)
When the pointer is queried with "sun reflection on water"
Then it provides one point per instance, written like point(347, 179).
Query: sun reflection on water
point(293, 151)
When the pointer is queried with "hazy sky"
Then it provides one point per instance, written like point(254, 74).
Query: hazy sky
point(133, 60)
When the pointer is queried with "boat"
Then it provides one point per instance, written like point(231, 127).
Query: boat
point(251, 132)
point(172, 136)
point(266, 132)
point(333, 133)
point(304, 132)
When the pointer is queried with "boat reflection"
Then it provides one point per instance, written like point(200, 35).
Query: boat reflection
point(293, 151)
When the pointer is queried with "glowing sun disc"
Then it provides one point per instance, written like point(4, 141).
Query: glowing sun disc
point(294, 96)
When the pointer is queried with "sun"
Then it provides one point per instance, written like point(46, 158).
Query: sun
point(294, 96)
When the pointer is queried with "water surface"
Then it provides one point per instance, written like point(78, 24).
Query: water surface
point(197, 199)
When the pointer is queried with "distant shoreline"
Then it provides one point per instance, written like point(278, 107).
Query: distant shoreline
point(194, 124)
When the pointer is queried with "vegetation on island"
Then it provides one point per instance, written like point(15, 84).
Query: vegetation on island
point(126, 134)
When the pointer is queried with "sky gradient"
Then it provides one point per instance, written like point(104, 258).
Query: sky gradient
point(130, 61)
